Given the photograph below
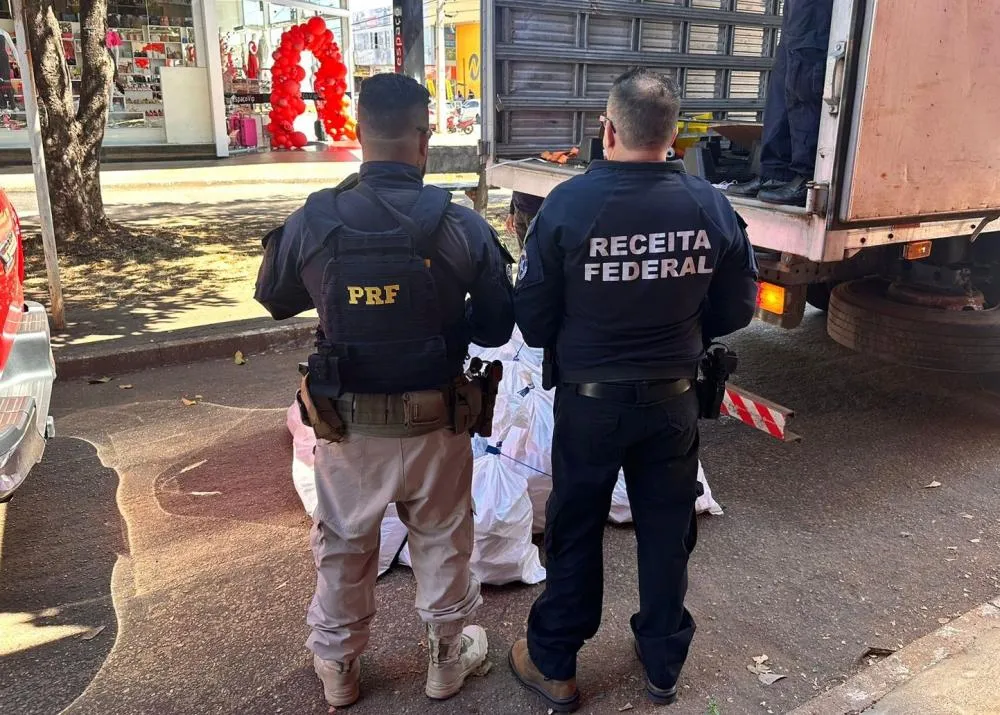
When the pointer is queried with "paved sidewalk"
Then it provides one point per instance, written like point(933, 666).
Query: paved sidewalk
point(447, 155)
point(954, 670)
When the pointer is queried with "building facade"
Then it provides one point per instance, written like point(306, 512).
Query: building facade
point(196, 73)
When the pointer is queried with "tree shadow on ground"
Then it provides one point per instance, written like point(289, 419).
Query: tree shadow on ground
point(174, 266)
point(62, 534)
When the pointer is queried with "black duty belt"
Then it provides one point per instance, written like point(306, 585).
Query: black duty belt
point(635, 393)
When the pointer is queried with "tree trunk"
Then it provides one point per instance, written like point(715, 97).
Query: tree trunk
point(72, 136)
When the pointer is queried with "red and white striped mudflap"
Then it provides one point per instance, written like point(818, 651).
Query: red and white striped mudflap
point(757, 412)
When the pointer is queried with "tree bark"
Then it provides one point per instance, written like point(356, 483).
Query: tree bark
point(72, 136)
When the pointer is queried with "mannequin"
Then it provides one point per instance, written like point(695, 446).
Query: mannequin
point(253, 63)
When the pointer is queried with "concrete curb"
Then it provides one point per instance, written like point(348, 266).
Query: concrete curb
point(208, 344)
point(872, 684)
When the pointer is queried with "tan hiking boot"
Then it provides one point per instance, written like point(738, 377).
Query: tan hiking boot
point(453, 658)
point(341, 681)
point(560, 695)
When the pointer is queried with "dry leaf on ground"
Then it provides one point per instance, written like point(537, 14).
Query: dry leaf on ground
point(239, 359)
point(188, 403)
point(770, 678)
point(125, 387)
point(99, 380)
point(933, 485)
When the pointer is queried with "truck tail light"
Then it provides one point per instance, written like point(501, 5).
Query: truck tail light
point(917, 250)
point(771, 297)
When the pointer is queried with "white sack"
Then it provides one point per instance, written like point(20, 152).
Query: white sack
point(528, 443)
point(303, 442)
point(393, 537)
point(304, 478)
point(502, 552)
point(621, 512)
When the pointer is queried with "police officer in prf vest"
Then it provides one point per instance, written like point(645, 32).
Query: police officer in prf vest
point(403, 280)
point(628, 272)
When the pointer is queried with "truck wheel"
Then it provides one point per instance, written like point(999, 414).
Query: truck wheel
point(818, 295)
point(862, 317)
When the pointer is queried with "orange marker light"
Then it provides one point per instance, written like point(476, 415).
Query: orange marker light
point(917, 250)
point(771, 297)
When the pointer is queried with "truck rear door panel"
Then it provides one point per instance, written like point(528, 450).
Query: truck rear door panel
point(924, 138)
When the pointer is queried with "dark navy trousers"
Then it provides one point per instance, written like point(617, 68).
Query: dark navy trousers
point(657, 445)
point(795, 91)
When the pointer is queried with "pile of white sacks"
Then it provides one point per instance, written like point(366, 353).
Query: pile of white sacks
point(511, 477)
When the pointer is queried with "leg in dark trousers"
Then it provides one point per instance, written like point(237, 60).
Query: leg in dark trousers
point(586, 457)
point(806, 34)
point(661, 474)
point(776, 140)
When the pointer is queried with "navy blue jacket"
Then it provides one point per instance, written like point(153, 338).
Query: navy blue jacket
point(471, 271)
point(629, 269)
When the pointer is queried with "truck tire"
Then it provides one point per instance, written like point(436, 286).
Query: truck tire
point(818, 295)
point(863, 318)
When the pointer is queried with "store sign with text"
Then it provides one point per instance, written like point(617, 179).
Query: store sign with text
point(397, 35)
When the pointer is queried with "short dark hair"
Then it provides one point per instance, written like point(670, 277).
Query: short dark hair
point(643, 107)
point(392, 105)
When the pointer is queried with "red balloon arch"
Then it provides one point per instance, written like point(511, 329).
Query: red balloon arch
point(330, 84)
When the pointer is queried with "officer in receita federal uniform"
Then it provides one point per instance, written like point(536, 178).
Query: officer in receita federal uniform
point(629, 271)
point(389, 263)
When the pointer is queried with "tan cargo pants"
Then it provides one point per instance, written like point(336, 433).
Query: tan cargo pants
point(430, 480)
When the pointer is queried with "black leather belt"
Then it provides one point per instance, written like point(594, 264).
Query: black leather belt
point(637, 393)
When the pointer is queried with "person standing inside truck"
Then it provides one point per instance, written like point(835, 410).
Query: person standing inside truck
point(388, 263)
point(628, 272)
point(792, 110)
point(523, 208)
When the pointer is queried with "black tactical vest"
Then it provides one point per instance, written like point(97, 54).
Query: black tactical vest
point(382, 326)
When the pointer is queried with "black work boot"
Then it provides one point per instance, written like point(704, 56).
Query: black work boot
point(791, 194)
point(560, 695)
point(658, 695)
point(749, 189)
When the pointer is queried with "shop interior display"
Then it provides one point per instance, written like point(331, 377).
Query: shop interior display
point(329, 84)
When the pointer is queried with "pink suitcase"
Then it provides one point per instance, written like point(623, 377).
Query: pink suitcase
point(248, 132)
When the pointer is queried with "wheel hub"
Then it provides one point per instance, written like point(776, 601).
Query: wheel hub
point(930, 298)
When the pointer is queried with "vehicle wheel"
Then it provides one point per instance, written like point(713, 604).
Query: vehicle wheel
point(864, 318)
point(818, 295)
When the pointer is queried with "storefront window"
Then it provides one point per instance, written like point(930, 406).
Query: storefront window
point(249, 33)
point(144, 39)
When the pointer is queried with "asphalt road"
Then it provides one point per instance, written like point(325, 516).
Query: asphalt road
point(176, 528)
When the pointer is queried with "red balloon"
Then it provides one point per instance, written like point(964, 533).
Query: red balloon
point(316, 25)
point(299, 73)
point(298, 105)
point(278, 101)
point(287, 127)
point(328, 39)
point(291, 87)
point(299, 140)
point(338, 121)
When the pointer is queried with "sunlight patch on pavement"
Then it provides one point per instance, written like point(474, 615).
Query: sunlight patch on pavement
point(21, 633)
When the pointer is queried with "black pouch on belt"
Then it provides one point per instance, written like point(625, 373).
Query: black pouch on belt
point(466, 405)
point(488, 375)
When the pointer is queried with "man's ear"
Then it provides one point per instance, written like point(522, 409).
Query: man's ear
point(674, 137)
point(358, 130)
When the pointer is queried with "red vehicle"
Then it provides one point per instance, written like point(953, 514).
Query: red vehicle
point(458, 124)
point(27, 369)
